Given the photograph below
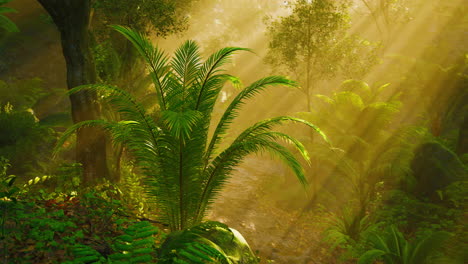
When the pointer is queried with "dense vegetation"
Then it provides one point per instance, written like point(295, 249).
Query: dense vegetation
point(113, 150)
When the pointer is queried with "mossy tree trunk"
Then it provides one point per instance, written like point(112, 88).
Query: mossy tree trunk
point(72, 20)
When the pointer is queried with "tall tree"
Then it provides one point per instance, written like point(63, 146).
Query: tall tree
point(72, 20)
point(312, 45)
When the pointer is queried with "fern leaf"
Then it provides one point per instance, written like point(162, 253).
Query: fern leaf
point(370, 256)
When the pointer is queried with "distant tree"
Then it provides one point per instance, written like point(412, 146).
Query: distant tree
point(311, 44)
point(387, 15)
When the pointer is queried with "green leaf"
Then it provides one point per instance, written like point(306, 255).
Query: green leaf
point(181, 124)
point(7, 24)
point(141, 259)
point(4, 9)
point(427, 245)
point(370, 256)
point(126, 238)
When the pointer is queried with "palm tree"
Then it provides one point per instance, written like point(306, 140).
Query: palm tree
point(185, 168)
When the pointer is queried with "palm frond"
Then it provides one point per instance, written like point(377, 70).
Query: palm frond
point(348, 99)
point(392, 247)
point(218, 171)
point(232, 110)
point(122, 100)
point(201, 244)
point(186, 63)
point(127, 105)
point(289, 139)
point(208, 72)
point(156, 59)
point(4, 9)
point(181, 124)
point(268, 124)
point(370, 256)
point(7, 24)
point(426, 246)
point(72, 129)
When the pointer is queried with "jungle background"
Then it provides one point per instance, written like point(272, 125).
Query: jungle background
point(385, 80)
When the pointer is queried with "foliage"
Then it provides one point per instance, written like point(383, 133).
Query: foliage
point(134, 246)
point(22, 94)
point(456, 194)
point(24, 139)
point(35, 234)
point(183, 168)
point(8, 200)
point(7, 190)
point(311, 44)
point(393, 248)
point(347, 228)
point(85, 254)
point(208, 242)
point(163, 17)
point(133, 193)
point(411, 214)
point(19, 139)
point(116, 61)
point(308, 32)
point(359, 154)
point(6, 23)
point(107, 61)
point(443, 111)
point(65, 230)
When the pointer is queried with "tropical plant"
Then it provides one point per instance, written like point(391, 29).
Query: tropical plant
point(392, 248)
point(361, 155)
point(19, 139)
point(364, 118)
point(134, 246)
point(5, 22)
point(347, 227)
point(7, 190)
point(208, 242)
point(185, 169)
point(22, 94)
point(7, 195)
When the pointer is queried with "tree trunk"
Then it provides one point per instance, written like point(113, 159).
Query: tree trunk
point(72, 20)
